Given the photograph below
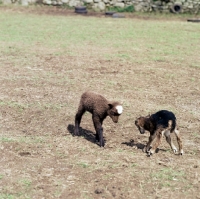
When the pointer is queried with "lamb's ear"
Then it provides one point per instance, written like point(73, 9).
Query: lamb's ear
point(110, 105)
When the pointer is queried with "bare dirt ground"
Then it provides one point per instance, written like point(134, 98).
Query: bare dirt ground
point(39, 157)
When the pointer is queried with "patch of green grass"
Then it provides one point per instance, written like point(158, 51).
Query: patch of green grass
point(65, 5)
point(168, 174)
point(60, 154)
point(30, 139)
point(2, 103)
point(194, 152)
point(68, 35)
point(19, 106)
point(26, 183)
point(108, 176)
point(6, 196)
point(6, 139)
point(22, 139)
point(58, 193)
point(123, 56)
point(195, 65)
point(170, 76)
point(133, 165)
point(196, 135)
point(165, 184)
point(83, 165)
point(85, 196)
point(125, 9)
point(113, 165)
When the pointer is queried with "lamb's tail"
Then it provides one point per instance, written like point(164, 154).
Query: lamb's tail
point(170, 124)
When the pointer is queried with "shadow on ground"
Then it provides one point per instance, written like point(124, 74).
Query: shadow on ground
point(88, 135)
point(132, 143)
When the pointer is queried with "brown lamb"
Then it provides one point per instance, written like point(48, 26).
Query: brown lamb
point(100, 108)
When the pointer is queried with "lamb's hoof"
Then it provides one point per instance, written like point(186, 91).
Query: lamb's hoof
point(149, 153)
point(181, 152)
point(175, 150)
point(76, 134)
point(101, 144)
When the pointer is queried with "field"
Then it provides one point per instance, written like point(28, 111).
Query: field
point(49, 57)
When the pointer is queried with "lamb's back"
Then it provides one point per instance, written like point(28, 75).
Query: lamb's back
point(94, 102)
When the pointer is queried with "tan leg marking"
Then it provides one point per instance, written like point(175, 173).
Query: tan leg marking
point(159, 133)
point(169, 141)
point(179, 140)
point(151, 138)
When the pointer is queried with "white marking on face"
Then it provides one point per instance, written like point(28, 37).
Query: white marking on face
point(119, 109)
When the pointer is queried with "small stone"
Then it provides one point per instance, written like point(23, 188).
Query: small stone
point(101, 5)
point(99, 191)
point(7, 2)
point(120, 5)
point(48, 2)
point(65, 1)
point(88, 1)
point(118, 15)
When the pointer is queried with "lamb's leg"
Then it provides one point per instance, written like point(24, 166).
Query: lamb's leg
point(78, 117)
point(168, 139)
point(151, 138)
point(99, 129)
point(97, 136)
point(101, 137)
point(158, 134)
point(177, 133)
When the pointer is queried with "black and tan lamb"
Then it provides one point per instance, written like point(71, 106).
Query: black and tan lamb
point(158, 124)
point(100, 108)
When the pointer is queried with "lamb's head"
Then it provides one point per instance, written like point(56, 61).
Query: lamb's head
point(139, 122)
point(115, 110)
